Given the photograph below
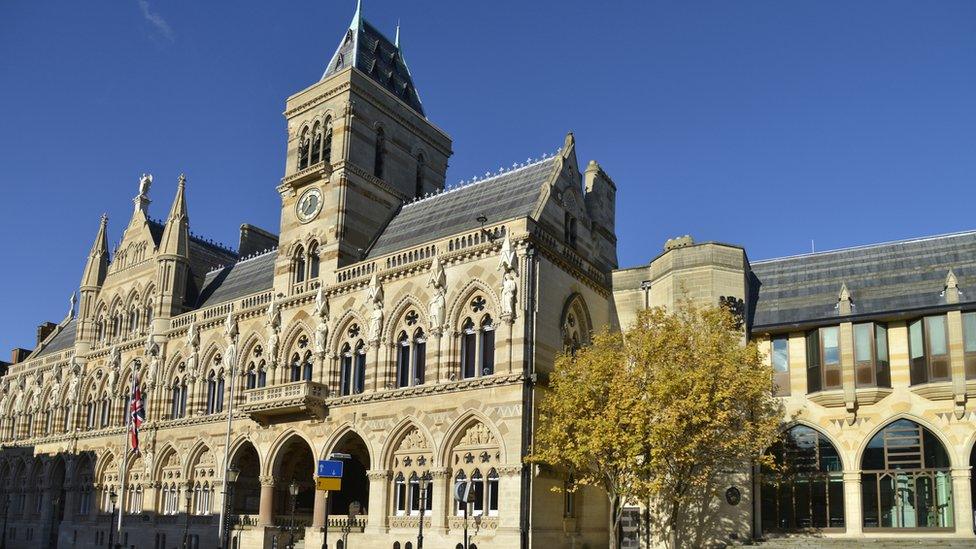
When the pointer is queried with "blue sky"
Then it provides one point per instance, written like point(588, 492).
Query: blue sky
point(761, 123)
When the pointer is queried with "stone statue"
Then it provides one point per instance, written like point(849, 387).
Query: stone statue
point(74, 369)
point(71, 306)
point(230, 331)
point(509, 290)
point(435, 309)
point(322, 328)
point(376, 322)
point(274, 313)
point(193, 342)
point(273, 345)
point(114, 364)
point(145, 182)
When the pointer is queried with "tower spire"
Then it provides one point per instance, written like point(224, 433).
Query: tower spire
point(176, 235)
point(396, 39)
point(357, 17)
point(97, 264)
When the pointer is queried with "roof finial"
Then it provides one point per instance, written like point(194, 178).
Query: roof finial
point(396, 39)
point(358, 17)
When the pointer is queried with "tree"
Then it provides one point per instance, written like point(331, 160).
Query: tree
point(660, 412)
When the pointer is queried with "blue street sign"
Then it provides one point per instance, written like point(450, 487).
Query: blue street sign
point(330, 468)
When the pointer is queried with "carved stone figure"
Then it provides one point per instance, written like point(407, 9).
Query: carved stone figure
point(322, 328)
point(230, 332)
point(435, 310)
point(376, 322)
point(509, 290)
point(145, 182)
point(274, 313)
point(273, 346)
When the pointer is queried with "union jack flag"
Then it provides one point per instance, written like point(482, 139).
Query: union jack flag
point(137, 415)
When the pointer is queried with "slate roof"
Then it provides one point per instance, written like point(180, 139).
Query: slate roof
point(882, 278)
point(506, 196)
point(64, 339)
point(243, 278)
point(365, 47)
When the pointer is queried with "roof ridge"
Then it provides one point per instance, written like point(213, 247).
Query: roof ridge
point(245, 259)
point(489, 176)
point(867, 246)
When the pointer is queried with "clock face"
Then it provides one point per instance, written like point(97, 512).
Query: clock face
point(309, 205)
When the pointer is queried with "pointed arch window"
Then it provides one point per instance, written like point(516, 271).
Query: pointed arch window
point(459, 505)
point(327, 141)
point(219, 406)
point(178, 398)
point(403, 361)
point(299, 265)
point(905, 480)
point(379, 152)
point(491, 493)
point(90, 414)
point(303, 149)
point(806, 487)
point(106, 407)
point(316, 143)
point(211, 403)
point(477, 348)
point(313, 260)
point(399, 495)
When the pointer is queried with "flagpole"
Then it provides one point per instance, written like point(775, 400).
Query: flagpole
point(125, 446)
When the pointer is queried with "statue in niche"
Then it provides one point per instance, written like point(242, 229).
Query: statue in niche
point(322, 328)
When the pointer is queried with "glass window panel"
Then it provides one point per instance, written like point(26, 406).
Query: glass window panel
point(781, 354)
point(916, 347)
point(937, 335)
point(969, 332)
point(863, 342)
point(831, 345)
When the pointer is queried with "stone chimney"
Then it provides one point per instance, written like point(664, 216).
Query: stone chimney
point(45, 330)
point(19, 355)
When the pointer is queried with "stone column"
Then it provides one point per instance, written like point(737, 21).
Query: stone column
point(379, 482)
point(441, 506)
point(318, 511)
point(962, 500)
point(266, 509)
point(852, 503)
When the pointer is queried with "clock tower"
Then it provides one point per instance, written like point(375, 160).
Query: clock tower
point(359, 147)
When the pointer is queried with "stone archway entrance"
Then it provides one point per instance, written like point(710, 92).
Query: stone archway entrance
point(56, 482)
point(355, 483)
point(294, 464)
point(247, 489)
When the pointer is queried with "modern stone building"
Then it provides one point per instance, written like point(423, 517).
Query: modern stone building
point(407, 328)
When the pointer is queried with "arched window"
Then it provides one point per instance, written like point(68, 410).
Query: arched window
point(478, 489)
point(316, 143)
point(327, 141)
point(458, 505)
point(905, 479)
point(313, 260)
point(178, 399)
point(421, 166)
point(295, 368)
point(487, 346)
point(379, 152)
point(307, 366)
point(419, 357)
point(359, 369)
point(106, 407)
point(211, 392)
point(399, 496)
point(491, 501)
point(219, 407)
point(90, 414)
point(403, 361)
point(806, 488)
point(477, 348)
point(303, 146)
point(345, 370)
point(299, 266)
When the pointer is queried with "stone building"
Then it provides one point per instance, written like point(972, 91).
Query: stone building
point(407, 329)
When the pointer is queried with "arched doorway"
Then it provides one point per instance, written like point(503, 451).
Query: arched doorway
point(294, 464)
point(247, 489)
point(804, 489)
point(56, 481)
point(355, 484)
point(905, 479)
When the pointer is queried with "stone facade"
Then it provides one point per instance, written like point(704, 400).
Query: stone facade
point(407, 330)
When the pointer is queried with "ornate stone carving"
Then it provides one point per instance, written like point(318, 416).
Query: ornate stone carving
point(230, 332)
point(193, 346)
point(436, 307)
point(145, 182)
point(322, 327)
point(414, 440)
point(375, 298)
point(477, 435)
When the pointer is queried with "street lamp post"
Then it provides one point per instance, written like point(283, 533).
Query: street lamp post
point(230, 477)
point(293, 491)
point(186, 524)
point(112, 497)
point(424, 494)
